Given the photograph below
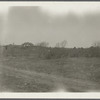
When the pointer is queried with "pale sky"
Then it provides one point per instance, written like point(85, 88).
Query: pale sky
point(76, 22)
point(78, 8)
point(3, 9)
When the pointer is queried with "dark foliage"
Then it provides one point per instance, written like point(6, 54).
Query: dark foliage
point(50, 53)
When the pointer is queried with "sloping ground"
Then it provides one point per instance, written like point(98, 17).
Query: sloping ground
point(20, 80)
point(24, 75)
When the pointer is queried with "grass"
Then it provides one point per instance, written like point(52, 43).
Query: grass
point(20, 74)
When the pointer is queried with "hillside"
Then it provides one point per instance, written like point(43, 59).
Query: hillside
point(29, 75)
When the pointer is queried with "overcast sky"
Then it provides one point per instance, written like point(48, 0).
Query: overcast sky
point(78, 23)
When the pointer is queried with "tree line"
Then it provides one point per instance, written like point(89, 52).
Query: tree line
point(42, 50)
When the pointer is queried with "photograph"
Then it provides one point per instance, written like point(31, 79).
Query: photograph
point(49, 47)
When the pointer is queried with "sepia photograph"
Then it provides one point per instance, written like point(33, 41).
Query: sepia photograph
point(50, 47)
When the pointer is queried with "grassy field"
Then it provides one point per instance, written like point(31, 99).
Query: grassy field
point(20, 74)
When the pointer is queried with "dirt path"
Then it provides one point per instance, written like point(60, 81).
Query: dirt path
point(67, 84)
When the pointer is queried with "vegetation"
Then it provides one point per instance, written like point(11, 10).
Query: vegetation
point(42, 50)
point(39, 68)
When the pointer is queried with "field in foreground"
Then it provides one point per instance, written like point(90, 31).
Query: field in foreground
point(19, 74)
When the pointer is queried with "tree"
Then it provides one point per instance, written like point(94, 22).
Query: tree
point(62, 44)
point(57, 45)
point(96, 44)
point(43, 44)
point(27, 44)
